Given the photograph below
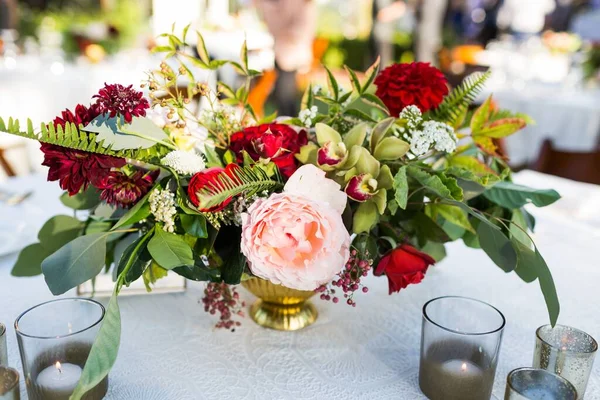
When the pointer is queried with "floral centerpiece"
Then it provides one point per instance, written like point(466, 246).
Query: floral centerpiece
point(373, 178)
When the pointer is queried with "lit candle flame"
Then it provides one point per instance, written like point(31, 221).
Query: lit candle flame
point(58, 367)
point(463, 367)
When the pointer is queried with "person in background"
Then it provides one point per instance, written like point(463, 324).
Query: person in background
point(429, 29)
point(292, 24)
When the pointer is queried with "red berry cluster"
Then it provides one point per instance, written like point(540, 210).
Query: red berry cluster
point(224, 299)
point(348, 280)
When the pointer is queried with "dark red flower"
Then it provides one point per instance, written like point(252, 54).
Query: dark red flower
point(403, 266)
point(76, 169)
point(82, 115)
point(418, 83)
point(208, 178)
point(121, 100)
point(125, 190)
point(276, 142)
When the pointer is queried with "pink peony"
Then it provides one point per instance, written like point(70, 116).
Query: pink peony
point(294, 241)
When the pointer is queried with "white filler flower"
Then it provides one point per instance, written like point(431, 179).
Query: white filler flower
point(184, 162)
point(162, 206)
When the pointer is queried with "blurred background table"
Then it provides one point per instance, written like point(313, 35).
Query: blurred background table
point(170, 350)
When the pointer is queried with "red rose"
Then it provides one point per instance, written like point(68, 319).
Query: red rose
point(276, 142)
point(418, 83)
point(209, 179)
point(403, 266)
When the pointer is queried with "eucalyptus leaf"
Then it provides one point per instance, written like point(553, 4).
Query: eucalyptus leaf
point(29, 262)
point(498, 247)
point(135, 259)
point(104, 352)
point(75, 263)
point(58, 231)
point(121, 138)
point(85, 200)
point(170, 250)
point(548, 288)
point(511, 195)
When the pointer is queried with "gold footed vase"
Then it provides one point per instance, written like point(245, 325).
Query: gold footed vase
point(279, 307)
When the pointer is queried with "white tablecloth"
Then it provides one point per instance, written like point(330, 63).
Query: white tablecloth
point(169, 349)
point(570, 117)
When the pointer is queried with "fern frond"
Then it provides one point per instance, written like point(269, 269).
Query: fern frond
point(459, 99)
point(233, 181)
point(74, 138)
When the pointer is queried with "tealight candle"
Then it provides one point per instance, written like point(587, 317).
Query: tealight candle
point(459, 349)
point(58, 381)
point(537, 384)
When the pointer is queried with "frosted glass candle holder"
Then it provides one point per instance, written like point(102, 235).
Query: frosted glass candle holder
point(567, 352)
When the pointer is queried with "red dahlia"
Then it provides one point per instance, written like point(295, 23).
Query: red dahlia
point(276, 142)
point(76, 169)
point(121, 100)
point(125, 190)
point(418, 83)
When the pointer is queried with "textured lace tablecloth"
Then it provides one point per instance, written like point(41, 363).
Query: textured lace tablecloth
point(169, 349)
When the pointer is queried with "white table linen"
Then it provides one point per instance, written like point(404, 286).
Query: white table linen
point(169, 349)
point(570, 117)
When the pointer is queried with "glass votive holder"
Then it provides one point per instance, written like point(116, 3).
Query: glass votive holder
point(567, 352)
point(3, 346)
point(460, 344)
point(9, 384)
point(537, 384)
point(55, 339)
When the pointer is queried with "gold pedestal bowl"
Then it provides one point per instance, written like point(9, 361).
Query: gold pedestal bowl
point(279, 307)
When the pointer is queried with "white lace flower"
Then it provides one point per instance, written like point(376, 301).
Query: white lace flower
point(412, 115)
point(442, 134)
point(184, 162)
point(307, 116)
point(162, 206)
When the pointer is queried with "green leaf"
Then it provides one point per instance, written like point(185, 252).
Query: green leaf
point(526, 260)
point(58, 231)
point(435, 250)
point(358, 115)
point(30, 260)
point(116, 138)
point(334, 89)
point(366, 245)
point(501, 128)
point(135, 259)
point(380, 131)
point(428, 229)
point(374, 101)
point(326, 134)
point(498, 247)
point(75, 263)
point(455, 104)
point(201, 48)
point(140, 211)
point(472, 212)
point(511, 195)
point(454, 215)
point(401, 188)
point(244, 56)
point(353, 79)
point(85, 200)
point(365, 217)
point(170, 250)
point(98, 226)
point(152, 274)
point(356, 136)
point(481, 115)
point(370, 74)
point(548, 287)
point(104, 352)
point(194, 225)
point(233, 265)
point(470, 164)
point(440, 185)
point(518, 228)
point(212, 158)
point(391, 148)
